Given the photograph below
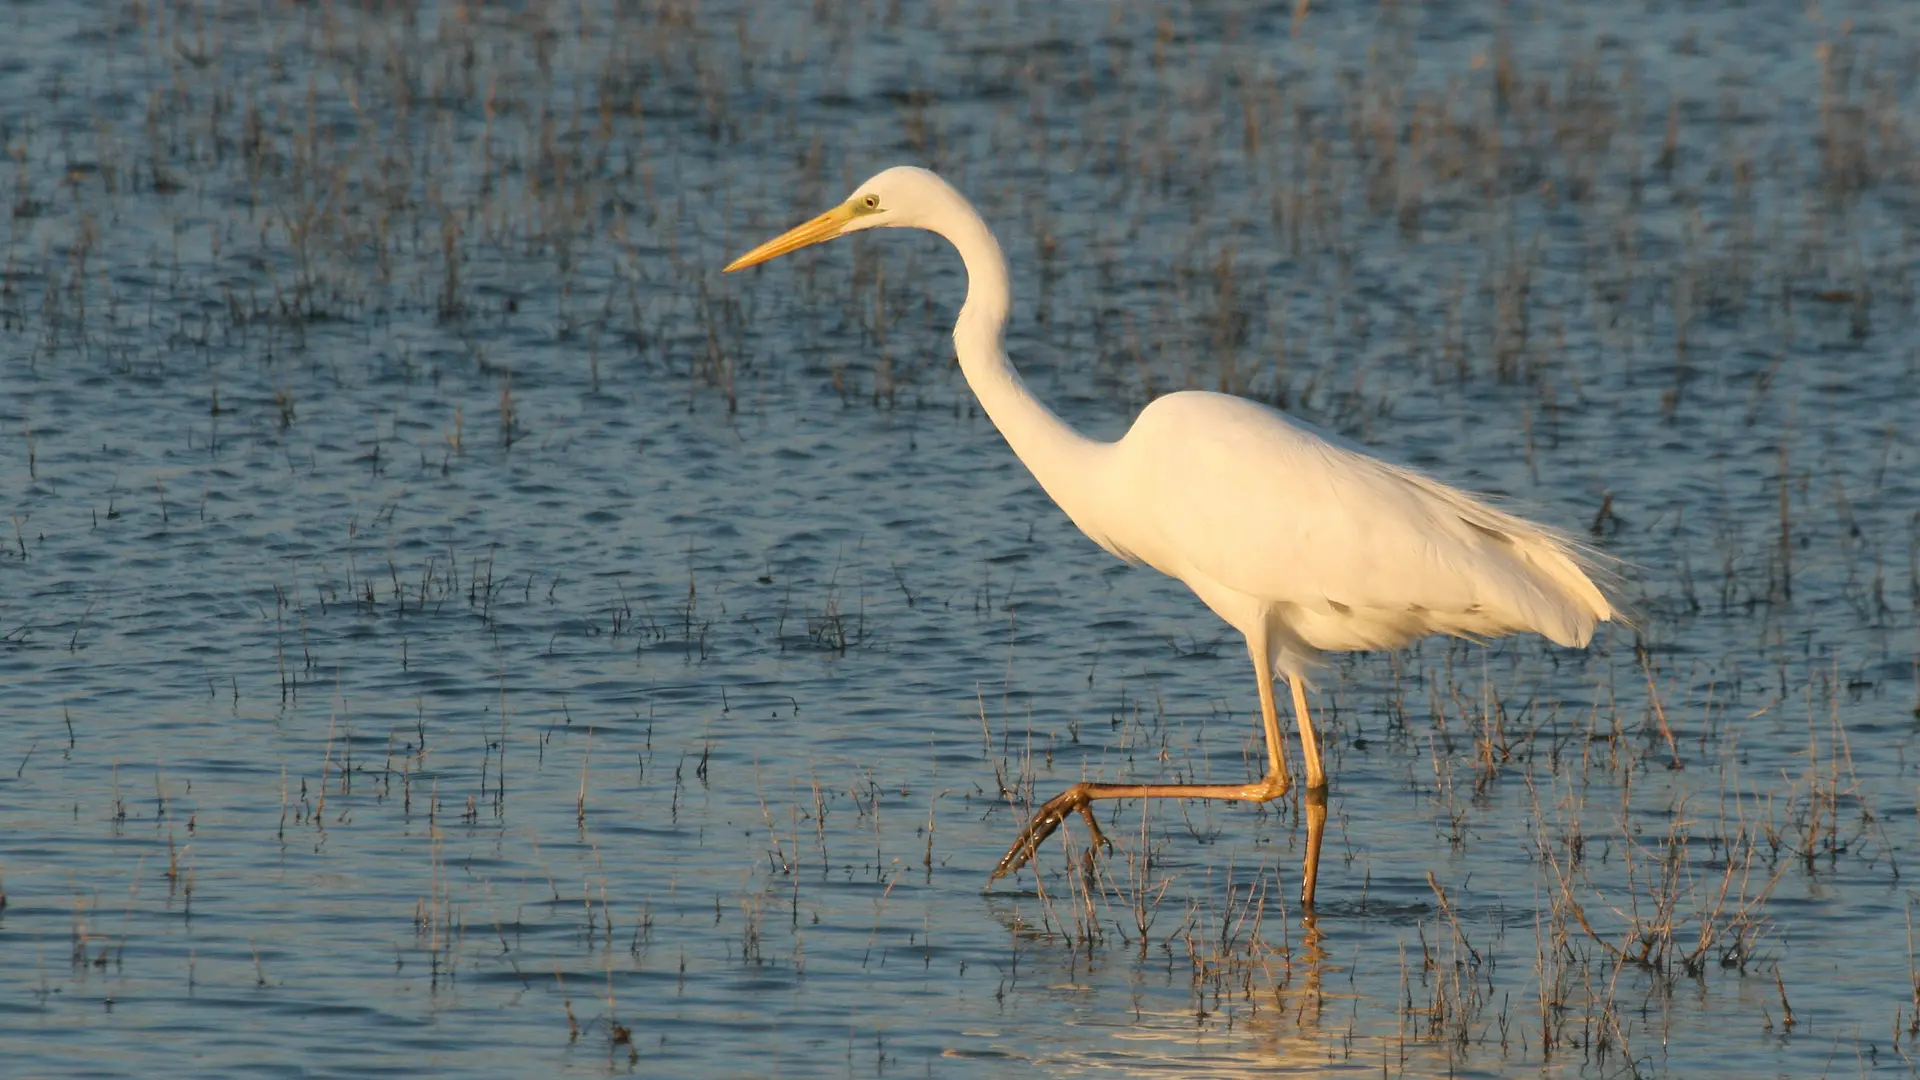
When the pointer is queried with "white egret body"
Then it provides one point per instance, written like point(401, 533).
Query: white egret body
point(1297, 539)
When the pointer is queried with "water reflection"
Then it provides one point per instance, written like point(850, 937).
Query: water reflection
point(444, 625)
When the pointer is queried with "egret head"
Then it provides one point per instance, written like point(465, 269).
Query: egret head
point(898, 198)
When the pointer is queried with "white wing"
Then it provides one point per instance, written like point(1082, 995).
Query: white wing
point(1355, 553)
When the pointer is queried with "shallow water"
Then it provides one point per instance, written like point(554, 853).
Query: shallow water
point(446, 627)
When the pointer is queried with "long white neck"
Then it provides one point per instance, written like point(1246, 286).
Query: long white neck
point(1062, 459)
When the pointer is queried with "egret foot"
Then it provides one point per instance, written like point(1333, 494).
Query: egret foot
point(1078, 797)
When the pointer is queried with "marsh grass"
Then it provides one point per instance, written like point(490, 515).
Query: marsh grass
point(1642, 284)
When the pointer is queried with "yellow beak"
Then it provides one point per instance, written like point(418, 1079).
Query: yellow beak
point(825, 227)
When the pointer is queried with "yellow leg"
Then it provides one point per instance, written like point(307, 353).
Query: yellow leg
point(1315, 795)
point(1309, 742)
point(1079, 797)
point(1270, 721)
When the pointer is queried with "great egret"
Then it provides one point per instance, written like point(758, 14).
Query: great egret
point(1298, 539)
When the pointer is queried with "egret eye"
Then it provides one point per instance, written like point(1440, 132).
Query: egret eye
point(871, 202)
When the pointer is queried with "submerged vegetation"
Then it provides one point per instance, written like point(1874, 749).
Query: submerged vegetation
point(438, 606)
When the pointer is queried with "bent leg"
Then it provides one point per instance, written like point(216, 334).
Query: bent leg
point(1270, 718)
point(1079, 797)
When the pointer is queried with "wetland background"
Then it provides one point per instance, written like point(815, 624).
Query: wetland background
point(445, 627)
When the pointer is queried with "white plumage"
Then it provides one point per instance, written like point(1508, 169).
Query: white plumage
point(1295, 537)
point(1338, 550)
